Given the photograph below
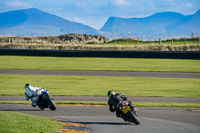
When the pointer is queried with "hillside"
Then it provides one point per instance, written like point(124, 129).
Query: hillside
point(34, 22)
point(165, 24)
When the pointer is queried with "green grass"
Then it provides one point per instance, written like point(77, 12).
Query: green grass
point(169, 42)
point(166, 104)
point(136, 104)
point(98, 86)
point(14, 122)
point(106, 64)
point(15, 102)
point(124, 42)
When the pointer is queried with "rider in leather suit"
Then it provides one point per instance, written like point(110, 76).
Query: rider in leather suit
point(32, 93)
point(114, 100)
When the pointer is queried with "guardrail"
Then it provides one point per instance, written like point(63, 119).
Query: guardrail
point(110, 54)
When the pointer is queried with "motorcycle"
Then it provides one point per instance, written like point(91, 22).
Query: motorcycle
point(45, 101)
point(128, 114)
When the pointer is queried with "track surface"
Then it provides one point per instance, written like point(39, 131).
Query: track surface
point(104, 73)
point(100, 120)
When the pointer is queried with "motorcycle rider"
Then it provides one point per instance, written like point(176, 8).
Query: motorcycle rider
point(32, 93)
point(114, 100)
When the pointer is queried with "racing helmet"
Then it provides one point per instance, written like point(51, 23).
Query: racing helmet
point(27, 85)
point(110, 93)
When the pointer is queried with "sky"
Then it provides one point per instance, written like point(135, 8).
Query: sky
point(95, 13)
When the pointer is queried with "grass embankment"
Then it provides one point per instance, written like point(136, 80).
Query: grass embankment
point(136, 104)
point(14, 122)
point(168, 42)
point(105, 47)
point(94, 103)
point(101, 64)
point(98, 86)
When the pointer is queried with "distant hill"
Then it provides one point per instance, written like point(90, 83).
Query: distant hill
point(34, 22)
point(165, 24)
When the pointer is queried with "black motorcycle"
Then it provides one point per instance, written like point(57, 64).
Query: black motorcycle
point(128, 114)
point(45, 101)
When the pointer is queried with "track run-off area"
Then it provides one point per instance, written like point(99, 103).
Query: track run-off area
point(100, 120)
point(103, 73)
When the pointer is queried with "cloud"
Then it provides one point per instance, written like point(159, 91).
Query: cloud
point(85, 7)
point(16, 5)
point(82, 5)
point(120, 2)
point(187, 5)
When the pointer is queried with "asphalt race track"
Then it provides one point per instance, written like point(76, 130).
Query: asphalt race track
point(100, 120)
point(104, 73)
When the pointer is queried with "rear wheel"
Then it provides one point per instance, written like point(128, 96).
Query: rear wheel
point(133, 117)
point(42, 108)
point(40, 104)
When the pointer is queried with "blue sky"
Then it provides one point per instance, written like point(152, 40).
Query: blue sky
point(95, 12)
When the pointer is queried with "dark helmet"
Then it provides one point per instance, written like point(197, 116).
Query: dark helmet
point(27, 85)
point(110, 93)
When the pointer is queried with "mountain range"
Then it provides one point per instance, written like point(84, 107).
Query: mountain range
point(165, 24)
point(34, 22)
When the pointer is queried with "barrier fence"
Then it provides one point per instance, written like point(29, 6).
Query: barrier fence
point(109, 54)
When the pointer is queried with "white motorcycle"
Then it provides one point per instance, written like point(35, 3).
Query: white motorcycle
point(45, 101)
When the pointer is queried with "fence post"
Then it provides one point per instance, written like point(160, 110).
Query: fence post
point(82, 38)
point(172, 41)
point(160, 41)
point(185, 41)
point(138, 40)
point(149, 41)
point(9, 41)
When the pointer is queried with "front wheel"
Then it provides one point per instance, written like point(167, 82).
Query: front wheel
point(52, 105)
point(133, 118)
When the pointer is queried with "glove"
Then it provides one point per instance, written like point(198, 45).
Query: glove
point(26, 96)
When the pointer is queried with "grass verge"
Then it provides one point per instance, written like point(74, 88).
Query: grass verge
point(93, 103)
point(101, 64)
point(14, 122)
point(167, 42)
point(136, 104)
point(13, 85)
